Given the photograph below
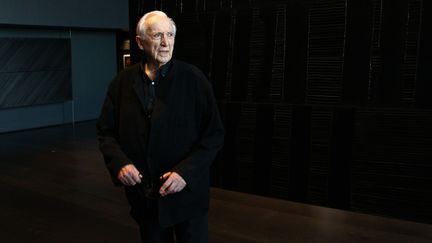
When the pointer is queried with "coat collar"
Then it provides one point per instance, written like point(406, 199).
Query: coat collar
point(138, 86)
point(139, 82)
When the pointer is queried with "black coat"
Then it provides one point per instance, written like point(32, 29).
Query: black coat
point(184, 135)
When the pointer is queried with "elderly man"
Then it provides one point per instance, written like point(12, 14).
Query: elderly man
point(159, 131)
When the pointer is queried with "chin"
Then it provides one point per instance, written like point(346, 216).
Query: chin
point(164, 60)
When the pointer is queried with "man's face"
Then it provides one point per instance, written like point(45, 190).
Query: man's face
point(158, 43)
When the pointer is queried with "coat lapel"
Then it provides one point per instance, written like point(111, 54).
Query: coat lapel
point(138, 86)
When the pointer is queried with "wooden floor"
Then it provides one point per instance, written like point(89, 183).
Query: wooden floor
point(54, 188)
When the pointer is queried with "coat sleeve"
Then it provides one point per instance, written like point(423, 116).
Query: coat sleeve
point(211, 138)
point(107, 135)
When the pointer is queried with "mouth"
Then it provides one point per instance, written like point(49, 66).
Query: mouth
point(163, 53)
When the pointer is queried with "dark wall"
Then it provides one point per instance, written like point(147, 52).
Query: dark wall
point(107, 14)
point(325, 102)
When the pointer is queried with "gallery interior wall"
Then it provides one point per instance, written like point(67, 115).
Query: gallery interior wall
point(324, 102)
point(91, 28)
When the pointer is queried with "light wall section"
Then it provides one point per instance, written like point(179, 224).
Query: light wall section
point(93, 67)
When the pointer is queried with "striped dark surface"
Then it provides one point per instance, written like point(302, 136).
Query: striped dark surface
point(324, 102)
point(34, 71)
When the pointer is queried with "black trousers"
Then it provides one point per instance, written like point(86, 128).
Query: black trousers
point(194, 230)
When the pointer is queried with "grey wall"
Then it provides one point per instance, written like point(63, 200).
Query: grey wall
point(93, 66)
point(112, 14)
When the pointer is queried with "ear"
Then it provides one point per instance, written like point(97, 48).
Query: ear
point(139, 42)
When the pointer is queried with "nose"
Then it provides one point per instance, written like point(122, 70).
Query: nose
point(163, 40)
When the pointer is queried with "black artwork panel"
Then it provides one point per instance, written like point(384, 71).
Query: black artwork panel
point(326, 52)
point(212, 5)
point(411, 54)
point(357, 53)
point(237, 4)
point(227, 165)
point(34, 71)
point(281, 151)
point(220, 54)
point(267, 17)
point(424, 71)
point(217, 168)
point(296, 44)
point(240, 59)
point(320, 136)
point(391, 163)
point(389, 83)
point(173, 7)
point(324, 102)
point(300, 154)
point(246, 145)
point(194, 40)
point(341, 158)
point(263, 149)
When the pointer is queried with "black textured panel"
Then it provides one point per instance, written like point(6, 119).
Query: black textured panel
point(220, 55)
point(281, 151)
point(269, 52)
point(34, 71)
point(321, 121)
point(229, 166)
point(326, 52)
point(395, 52)
point(423, 87)
point(340, 158)
point(263, 148)
point(410, 59)
point(318, 69)
point(240, 83)
point(175, 7)
point(194, 39)
point(261, 53)
point(290, 152)
point(296, 49)
point(358, 45)
point(211, 5)
point(376, 60)
point(277, 69)
point(391, 163)
point(246, 146)
point(387, 84)
point(300, 156)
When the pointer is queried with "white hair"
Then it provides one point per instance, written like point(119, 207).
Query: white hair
point(141, 27)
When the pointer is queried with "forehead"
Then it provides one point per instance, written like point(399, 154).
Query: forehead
point(158, 24)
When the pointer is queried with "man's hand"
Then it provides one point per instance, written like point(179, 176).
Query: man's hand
point(129, 175)
point(173, 183)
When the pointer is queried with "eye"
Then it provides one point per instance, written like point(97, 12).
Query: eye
point(157, 35)
point(170, 34)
